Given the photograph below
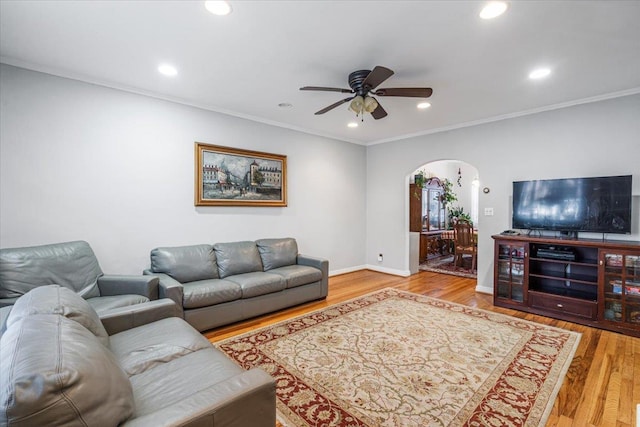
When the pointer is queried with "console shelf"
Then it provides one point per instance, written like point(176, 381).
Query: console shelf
point(592, 282)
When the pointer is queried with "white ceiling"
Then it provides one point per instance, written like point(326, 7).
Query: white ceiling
point(246, 63)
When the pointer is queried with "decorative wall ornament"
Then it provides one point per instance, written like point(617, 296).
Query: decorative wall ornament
point(459, 177)
point(226, 176)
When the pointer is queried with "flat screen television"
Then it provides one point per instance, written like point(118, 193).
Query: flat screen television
point(598, 205)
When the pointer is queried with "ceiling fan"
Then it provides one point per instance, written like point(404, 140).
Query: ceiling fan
point(363, 84)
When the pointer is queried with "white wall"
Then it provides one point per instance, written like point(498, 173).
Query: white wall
point(596, 139)
point(79, 161)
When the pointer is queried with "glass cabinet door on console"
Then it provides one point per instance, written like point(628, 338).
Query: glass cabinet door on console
point(509, 277)
point(620, 275)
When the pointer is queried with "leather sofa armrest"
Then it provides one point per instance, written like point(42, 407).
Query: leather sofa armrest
point(122, 285)
point(168, 287)
point(322, 265)
point(123, 318)
point(247, 399)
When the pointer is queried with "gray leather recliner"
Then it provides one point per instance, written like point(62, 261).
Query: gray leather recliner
point(117, 299)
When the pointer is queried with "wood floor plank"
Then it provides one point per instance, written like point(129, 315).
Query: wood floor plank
point(626, 406)
point(602, 385)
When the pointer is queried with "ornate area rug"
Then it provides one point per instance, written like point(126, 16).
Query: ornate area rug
point(446, 265)
point(393, 358)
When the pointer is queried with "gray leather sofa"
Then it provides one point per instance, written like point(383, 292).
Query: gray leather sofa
point(59, 367)
point(227, 282)
point(120, 301)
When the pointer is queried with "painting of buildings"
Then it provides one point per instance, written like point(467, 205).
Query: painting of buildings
point(227, 176)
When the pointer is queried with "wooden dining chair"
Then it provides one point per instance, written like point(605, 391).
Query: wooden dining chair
point(464, 243)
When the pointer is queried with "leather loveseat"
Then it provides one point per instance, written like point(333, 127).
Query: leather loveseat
point(59, 367)
point(224, 283)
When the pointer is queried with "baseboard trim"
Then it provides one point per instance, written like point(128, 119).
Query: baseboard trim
point(484, 289)
point(347, 270)
point(393, 271)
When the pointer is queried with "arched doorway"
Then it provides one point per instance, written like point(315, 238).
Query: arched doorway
point(441, 192)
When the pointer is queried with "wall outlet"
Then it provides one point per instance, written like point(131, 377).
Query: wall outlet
point(488, 211)
point(379, 257)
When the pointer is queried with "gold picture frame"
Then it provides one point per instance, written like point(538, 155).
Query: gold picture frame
point(226, 176)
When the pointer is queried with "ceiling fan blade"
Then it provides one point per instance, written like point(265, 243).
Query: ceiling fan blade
point(327, 89)
point(379, 112)
point(377, 76)
point(332, 106)
point(412, 92)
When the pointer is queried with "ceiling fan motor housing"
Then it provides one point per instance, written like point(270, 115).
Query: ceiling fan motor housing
point(356, 80)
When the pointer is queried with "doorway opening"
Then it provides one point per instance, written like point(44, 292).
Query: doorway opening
point(443, 199)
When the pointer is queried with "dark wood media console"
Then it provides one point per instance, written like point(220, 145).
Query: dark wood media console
point(591, 282)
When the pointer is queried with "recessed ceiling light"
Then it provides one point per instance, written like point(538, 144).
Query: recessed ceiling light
point(219, 8)
point(493, 9)
point(539, 73)
point(353, 125)
point(167, 70)
point(424, 105)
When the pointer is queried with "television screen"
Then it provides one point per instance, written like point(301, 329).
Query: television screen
point(601, 204)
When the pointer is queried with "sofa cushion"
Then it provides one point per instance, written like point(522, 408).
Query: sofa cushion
point(72, 265)
point(103, 304)
point(237, 258)
point(185, 263)
point(204, 293)
point(156, 343)
point(53, 299)
point(298, 275)
point(71, 382)
point(258, 283)
point(277, 252)
point(168, 383)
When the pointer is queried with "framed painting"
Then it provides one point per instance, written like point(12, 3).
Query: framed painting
point(228, 176)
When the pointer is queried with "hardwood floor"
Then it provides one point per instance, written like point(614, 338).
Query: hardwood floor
point(602, 386)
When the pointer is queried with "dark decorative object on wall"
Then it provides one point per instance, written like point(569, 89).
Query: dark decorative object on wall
point(233, 177)
point(459, 177)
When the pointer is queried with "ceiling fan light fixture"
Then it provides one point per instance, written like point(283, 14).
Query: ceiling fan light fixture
point(352, 125)
point(370, 104)
point(493, 9)
point(357, 104)
point(363, 84)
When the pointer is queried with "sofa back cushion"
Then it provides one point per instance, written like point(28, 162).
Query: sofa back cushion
point(277, 253)
point(53, 299)
point(54, 371)
point(185, 263)
point(237, 258)
point(71, 264)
